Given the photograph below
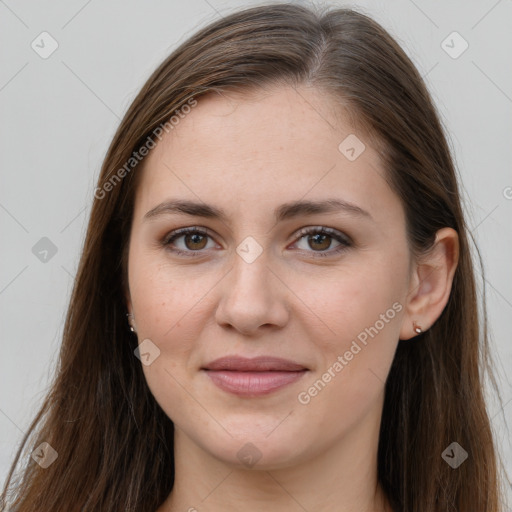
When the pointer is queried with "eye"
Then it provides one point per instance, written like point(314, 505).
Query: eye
point(320, 238)
point(193, 238)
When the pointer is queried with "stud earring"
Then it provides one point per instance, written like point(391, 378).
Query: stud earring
point(417, 328)
point(130, 322)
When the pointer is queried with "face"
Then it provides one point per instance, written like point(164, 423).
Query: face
point(322, 289)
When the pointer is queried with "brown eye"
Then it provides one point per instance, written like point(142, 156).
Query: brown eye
point(193, 242)
point(319, 240)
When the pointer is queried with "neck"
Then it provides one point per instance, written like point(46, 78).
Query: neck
point(343, 478)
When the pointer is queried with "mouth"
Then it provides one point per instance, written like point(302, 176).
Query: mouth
point(253, 377)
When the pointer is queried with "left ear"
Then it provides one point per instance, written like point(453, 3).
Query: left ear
point(431, 283)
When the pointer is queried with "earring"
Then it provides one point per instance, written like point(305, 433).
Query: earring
point(417, 328)
point(131, 326)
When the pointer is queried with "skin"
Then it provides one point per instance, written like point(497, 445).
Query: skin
point(248, 154)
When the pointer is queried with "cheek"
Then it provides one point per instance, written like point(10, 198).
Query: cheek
point(167, 303)
point(165, 296)
point(171, 309)
point(357, 298)
point(363, 315)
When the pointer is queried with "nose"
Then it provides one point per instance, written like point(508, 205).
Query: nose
point(253, 298)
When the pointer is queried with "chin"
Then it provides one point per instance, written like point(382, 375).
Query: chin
point(257, 450)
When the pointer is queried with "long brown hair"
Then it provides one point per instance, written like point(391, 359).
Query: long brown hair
point(114, 442)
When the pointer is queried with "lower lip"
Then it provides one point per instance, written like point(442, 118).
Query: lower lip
point(252, 383)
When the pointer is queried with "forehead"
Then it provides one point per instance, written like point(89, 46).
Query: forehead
point(261, 149)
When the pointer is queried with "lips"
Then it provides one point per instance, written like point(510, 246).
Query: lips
point(253, 377)
point(256, 364)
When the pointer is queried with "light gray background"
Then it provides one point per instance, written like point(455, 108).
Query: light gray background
point(59, 114)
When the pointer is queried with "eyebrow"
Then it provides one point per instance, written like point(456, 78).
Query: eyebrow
point(284, 212)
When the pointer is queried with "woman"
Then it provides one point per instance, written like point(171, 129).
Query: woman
point(279, 224)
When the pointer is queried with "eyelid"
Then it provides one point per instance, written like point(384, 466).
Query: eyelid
point(177, 233)
point(335, 233)
point(345, 242)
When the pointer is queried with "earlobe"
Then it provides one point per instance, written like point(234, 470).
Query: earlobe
point(431, 285)
point(129, 316)
point(131, 322)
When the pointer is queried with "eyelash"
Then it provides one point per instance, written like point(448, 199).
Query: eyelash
point(343, 239)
